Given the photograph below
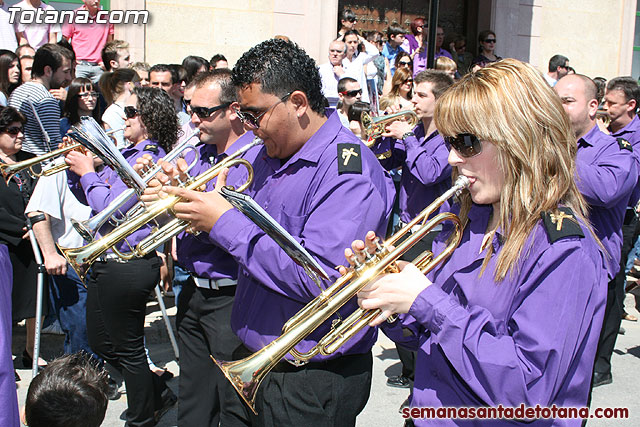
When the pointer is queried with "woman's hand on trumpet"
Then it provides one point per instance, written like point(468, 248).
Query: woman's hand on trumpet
point(392, 293)
point(80, 162)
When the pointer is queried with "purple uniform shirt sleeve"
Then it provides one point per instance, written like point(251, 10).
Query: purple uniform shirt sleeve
point(330, 224)
point(428, 168)
point(607, 179)
point(527, 363)
point(397, 154)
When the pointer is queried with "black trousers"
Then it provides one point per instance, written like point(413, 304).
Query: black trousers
point(317, 394)
point(116, 302)
point(204, 330)
point(613, 308)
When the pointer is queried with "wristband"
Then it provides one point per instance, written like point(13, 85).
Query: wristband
point(37, 218)
point(407, 135)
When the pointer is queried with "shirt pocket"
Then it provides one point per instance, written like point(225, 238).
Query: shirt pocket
point(294, 224)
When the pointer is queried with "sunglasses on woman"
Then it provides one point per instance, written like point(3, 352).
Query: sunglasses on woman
point(404, 64)
point(14, 130)
point(466, 144)
point(130, 112)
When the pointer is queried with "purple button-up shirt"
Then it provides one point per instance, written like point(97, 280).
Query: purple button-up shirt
point(322, 209)
point(606, 176)
point(631, 133)
point(99, 189)
point(420, 59)
point(199, 254)
point(530, 338)
point(426, 173)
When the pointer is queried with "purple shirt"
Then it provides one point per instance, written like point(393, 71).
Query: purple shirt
point(199, 254)
point(530, 338)
point(420, 58)
point(426, 173)
point(631, 134)
point(101, 188)
point(606, 176)
point(322, 209)
point(9, 415)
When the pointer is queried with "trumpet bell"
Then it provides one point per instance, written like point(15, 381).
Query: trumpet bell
point(374, 127)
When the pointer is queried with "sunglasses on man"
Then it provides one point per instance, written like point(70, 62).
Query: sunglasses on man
point(352, 93)
point(466, 144)
point(204, 112)
point(489, 40)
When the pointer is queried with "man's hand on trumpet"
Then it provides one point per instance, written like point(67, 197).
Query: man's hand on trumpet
point(80, 162)
point(397, 128)
point(392, 293)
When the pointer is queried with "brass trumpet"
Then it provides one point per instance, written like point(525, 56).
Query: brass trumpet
point(246, 375)
point(374, 127)
point(81, 258)
point(8, 170)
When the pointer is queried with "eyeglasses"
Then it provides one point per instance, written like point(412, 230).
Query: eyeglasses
point(130, 112)
point(253, 121)
point(88, 94)
point(489, 40)
point(204, 112)
point(352, 19)
point(404, 64)
point(352, 93)
point(14, 130)
point(466, 144)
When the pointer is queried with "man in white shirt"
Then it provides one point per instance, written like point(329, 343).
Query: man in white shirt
point(558, 68)
point(354, 61)
point(8, 39)
point(34, 34)
point(331, 72)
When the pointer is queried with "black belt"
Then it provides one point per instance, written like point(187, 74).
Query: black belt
point(327, 365)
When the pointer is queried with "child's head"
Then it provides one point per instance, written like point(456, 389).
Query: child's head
point(70, 392)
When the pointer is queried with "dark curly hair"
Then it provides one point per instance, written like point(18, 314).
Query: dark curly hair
point(158, 114)
point(10, 115)
point(280, 67)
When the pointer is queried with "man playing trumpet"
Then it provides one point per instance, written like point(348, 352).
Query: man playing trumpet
point(325, 188)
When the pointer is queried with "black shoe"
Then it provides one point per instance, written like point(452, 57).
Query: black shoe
point(622, 331)
point(168, 401)
point(601, 379)
point(112, 389)
point(399, 382)
point(17, 376)
point(27, 361)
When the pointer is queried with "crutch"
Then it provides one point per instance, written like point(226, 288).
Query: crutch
point(167, 323)
point(40, 291)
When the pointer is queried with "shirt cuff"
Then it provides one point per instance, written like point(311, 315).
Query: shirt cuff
point(228, 226)
point(89, 179)
point(431, 307)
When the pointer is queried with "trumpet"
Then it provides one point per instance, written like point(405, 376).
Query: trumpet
point(88, 228)
point(8, 170)
point(374, 127)
point(246, 375)
point(81, 258)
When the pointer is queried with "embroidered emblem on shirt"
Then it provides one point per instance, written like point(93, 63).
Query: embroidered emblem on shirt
point(151, 147)
point(349, 158)
point(562, 223)
point(624, 144)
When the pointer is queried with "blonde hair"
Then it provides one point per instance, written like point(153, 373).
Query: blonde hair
point(446, 64)
point(509, 104)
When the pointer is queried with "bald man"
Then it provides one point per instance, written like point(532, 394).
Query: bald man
point(606, 175)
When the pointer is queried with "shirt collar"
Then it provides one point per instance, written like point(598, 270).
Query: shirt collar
point(632, 126)
point(590, 137)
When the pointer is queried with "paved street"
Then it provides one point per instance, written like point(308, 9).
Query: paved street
point(382, 408)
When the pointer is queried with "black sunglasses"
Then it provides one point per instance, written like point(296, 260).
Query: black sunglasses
point(14, 130)
point(403, 63)
point(352, 92)
point(252, 120)
point(352, 19)
point(204, 112)
point(130, 111)
point(490, 40)
point(466, 144)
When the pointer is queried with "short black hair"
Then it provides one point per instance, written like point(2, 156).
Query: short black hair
point(280, 67)
point(439, 80)
point(10, 115)
point(394, 30)
point(356, 110)
point(557, 61)
point(221, 76)
point(192, 65)
point(217, 57)
point(342, 83)
point(347, 15)
point(163, 68)
point(69, 392)
point(628, 85)
point(51, 55)
point(110, 52)
point(158, 114)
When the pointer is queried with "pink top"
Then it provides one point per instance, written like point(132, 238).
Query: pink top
point(87, 40)
point(36, 34)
